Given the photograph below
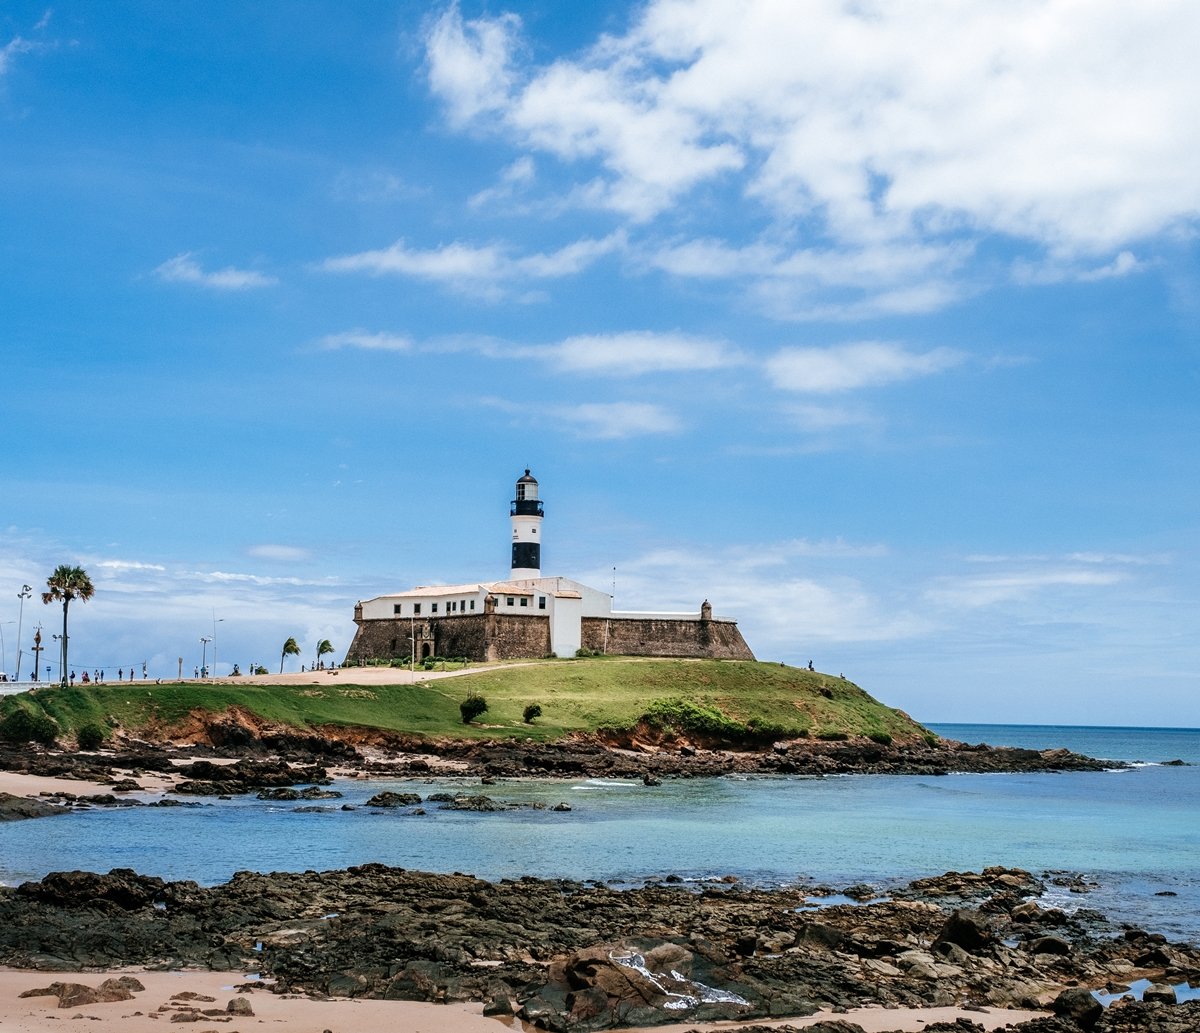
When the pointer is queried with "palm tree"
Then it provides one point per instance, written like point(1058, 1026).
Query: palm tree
point(65, 584)
point(323, 647)
point(289, 649)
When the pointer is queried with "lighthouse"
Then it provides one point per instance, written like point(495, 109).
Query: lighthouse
point(526, 513)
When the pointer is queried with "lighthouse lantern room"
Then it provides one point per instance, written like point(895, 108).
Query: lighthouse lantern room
point(526, 512)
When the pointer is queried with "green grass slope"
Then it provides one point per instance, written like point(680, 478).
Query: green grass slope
point(747, 702)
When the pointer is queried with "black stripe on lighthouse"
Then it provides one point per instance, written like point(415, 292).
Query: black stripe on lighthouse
point(526, 556)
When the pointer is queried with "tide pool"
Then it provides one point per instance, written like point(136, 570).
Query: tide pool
point(1133, 832)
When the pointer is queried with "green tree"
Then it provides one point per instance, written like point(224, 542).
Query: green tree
point(289, 649)
point(65, 584)
point(323, 647)
point(472, 707)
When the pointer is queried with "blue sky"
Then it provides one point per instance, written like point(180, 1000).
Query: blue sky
point(878, 328)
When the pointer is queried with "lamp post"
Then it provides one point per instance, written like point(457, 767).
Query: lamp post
point(24, 594)
point(61, 648)
point(216, 620)
point(204, 656)
point(3, 650)
point(37, 651)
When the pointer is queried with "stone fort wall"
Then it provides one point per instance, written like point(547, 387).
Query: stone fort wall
point(647, 636)
point(477, 636)
point(495, 636)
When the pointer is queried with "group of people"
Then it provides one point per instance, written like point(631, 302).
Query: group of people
point(98, 675)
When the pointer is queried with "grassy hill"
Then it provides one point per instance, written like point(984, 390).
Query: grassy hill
point(748, 702)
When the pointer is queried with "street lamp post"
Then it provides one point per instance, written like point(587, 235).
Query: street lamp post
point(204, 656)
point(62, 670)
point(24, 594)
point(216, 620)
point(3, 648)
point(37, 652)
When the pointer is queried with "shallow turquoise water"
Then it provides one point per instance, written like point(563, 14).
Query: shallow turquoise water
point(1134, 832)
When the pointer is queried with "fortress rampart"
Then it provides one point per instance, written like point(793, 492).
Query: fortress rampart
point(500, 636)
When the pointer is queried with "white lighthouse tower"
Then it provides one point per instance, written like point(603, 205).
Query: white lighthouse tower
point(526, 513)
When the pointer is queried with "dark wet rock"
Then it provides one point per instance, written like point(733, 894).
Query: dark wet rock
point(19, 808)
point(121, 886)
point(206, 778)
point(1162, 993)
point(480, 804)
point(390, 799)
point(125, 785)
point(1078, 1005)
point(969, 931)
point(565, 953)
point(1049, 945)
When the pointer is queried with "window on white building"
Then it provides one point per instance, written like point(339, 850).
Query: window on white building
point(416, 608)
point(541, 602)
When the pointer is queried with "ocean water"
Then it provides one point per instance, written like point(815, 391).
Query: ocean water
point(1133, 833)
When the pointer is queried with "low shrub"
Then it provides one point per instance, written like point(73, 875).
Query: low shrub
point(682, 715)
point(26, 726)
point(90, 737)
point(530, 713)
point(832, 735)
point(472, 707)
point(883, 738)
point(764, 731)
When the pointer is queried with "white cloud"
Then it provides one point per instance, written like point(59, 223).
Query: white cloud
point(823, 419)
point(1056, 271)
point(974, 592)
point(469, 63)
point(849, 366)
point(779, 609)
point(876, 129)
point(613, 420)
point(520, 174)
point(486, 270)
point(11, 49)
point(604, 421)
point(279, 553)
point(365, 340)
point(183, 268)
point(125, 565)
point(634, 353)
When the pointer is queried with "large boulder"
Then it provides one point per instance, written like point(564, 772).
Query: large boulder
point(18, 808)
point(968, 930)
point(1078, 1005)
point(121, 886)
point(389, 799)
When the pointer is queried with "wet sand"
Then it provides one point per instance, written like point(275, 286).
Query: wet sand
point(291, 1014)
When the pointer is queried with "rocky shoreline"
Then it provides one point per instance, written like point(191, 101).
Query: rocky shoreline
point(578, 957)
point(575, 957)
point(261, 758)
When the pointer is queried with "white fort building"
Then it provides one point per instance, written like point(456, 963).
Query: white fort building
point(529, 615)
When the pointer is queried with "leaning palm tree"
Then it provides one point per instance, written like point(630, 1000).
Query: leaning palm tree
point(289, 649)
point(323, 647)
point(65, 584)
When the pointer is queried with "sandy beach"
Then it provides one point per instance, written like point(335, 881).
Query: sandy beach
point(295, 1014)
point(20, 784)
